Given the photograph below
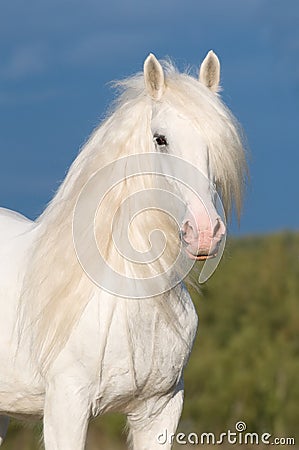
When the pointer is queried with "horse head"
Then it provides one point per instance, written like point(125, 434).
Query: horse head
point(177, 131)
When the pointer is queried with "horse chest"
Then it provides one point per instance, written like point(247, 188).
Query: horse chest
point(130, 350)
point(146, 351)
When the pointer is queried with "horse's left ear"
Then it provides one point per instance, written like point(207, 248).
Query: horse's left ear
point(153, 77)
point(209, 71)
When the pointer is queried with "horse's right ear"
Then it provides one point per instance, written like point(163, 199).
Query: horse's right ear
point(209, 72)
point(153, 77)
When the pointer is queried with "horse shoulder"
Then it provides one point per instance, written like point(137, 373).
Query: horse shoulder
point(12, 224)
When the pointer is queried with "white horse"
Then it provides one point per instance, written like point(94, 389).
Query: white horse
point(69, 349)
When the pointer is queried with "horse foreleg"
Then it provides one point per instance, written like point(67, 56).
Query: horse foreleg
point(66, 416)
point(4, 421)
point(154, 433)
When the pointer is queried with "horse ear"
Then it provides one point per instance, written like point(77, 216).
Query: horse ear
point(153, 77)
point(209, 71)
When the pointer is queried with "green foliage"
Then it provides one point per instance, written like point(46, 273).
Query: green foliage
point(245, 362)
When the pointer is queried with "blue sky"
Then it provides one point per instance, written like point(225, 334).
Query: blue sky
point(56, 58)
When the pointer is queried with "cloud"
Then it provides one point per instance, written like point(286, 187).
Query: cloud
point(54, 33)
point(103, 47)
point(28, 97)
point(23, 61)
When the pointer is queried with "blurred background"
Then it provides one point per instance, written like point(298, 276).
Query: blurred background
point(56, 61)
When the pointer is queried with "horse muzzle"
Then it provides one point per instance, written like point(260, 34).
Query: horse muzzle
point(201, 241)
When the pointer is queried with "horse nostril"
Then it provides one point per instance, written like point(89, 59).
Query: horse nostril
point(182, 236)
point(216, 228)
point(187, 232)
point(219, 228)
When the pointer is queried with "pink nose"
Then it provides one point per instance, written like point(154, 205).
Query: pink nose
point(202, 243)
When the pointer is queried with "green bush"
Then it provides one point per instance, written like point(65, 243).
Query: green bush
point(245, 362)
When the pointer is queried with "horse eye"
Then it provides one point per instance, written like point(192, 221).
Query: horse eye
point(160, 140)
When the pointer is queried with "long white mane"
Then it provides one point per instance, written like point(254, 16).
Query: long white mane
point(56, 289)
